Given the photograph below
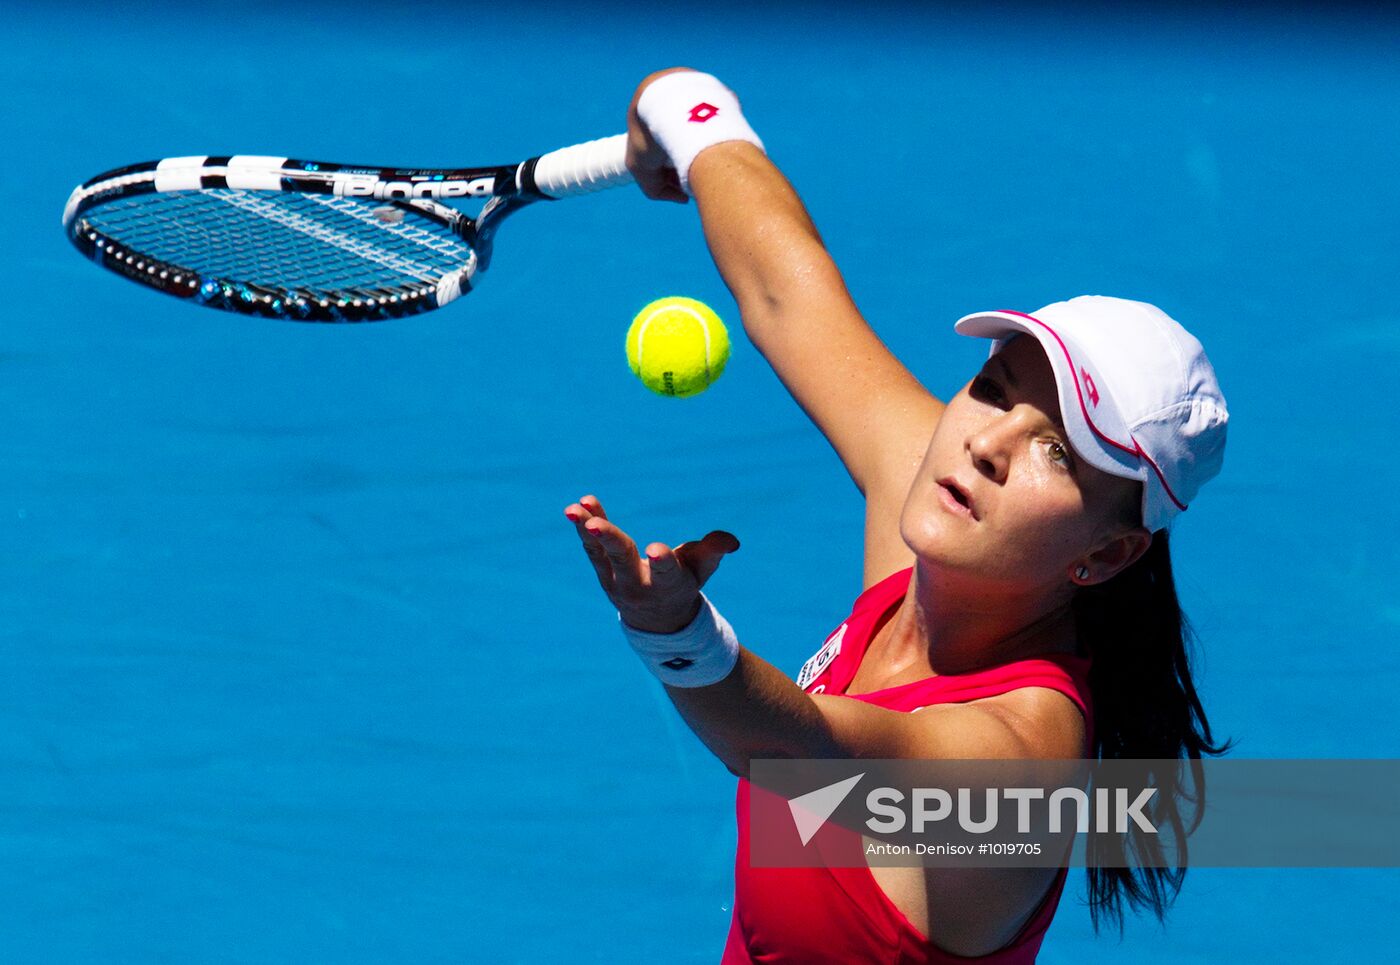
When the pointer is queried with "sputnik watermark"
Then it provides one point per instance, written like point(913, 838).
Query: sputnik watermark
point(922, 809)
point(1109, 815)
point(1164, 813)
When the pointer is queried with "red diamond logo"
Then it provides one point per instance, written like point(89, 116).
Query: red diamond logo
point(1090, 387)
point(702, 112)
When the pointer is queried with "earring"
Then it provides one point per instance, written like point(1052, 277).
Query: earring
point(1081, 573)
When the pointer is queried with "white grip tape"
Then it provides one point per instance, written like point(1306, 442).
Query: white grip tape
point(179, 173)
point(701, 653)
point(255, 172)
point(687, 112)
point(584, 168)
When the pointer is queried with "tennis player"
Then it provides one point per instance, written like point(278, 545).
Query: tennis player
point(1018, 588)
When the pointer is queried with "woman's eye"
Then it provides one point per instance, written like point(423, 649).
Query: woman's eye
point(987, 389)
point(1058, 453)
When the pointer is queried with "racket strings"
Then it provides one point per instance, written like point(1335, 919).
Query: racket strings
point(370, 248)
point(320, 244)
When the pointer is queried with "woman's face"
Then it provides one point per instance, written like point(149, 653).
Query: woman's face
point(1001, 495)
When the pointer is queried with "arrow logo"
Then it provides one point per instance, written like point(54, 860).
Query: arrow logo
point(811, 810)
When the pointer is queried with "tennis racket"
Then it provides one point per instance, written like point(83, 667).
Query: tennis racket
point(316, 242)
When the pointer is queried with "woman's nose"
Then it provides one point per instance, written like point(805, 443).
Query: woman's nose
point(990, 446)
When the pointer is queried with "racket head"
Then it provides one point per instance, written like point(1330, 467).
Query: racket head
point(292, 240)
point(316, 241)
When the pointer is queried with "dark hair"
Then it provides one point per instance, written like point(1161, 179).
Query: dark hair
point(1145, 708)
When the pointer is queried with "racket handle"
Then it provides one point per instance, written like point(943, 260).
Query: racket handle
point(583, 168)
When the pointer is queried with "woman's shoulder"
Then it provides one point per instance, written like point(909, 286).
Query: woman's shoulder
point(1049, 721)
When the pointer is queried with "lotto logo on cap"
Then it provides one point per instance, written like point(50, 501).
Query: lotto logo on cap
point(1091, 392)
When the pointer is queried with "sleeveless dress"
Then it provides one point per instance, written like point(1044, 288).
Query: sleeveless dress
point(814, 916)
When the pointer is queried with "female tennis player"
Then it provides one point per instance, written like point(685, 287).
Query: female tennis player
point(1018, 586)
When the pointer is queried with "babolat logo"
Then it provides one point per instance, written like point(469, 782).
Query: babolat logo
point(405, 190)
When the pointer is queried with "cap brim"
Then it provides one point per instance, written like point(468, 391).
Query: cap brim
point(1095, 426)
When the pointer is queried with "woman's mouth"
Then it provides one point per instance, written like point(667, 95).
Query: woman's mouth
point(956, 499)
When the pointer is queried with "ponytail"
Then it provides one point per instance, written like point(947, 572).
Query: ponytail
point(1145, 708)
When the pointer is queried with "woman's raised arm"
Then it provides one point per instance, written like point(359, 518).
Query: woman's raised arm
point(796, 310)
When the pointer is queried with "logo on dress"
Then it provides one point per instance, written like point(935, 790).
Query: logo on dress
point(822, 659)
point(702, 112)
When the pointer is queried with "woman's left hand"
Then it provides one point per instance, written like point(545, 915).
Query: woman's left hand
point(658, 592)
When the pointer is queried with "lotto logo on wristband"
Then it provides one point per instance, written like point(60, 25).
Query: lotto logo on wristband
point(688, 112)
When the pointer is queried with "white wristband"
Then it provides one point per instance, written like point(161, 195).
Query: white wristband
point(701, 653)
point(687, 112)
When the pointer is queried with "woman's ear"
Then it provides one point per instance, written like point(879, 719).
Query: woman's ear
point(1112, 557)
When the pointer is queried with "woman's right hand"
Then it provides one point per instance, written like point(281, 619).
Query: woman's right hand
point(658, 592)
point(646, 159)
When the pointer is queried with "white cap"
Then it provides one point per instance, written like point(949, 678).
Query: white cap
point(1138, 396)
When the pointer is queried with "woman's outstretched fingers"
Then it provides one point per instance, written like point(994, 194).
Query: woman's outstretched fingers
point(621, 552)
point(656, 591)
point(593, 505)
point(579, 515)
point(592, 546)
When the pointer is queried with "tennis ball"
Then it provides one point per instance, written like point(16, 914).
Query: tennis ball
point(677, 346)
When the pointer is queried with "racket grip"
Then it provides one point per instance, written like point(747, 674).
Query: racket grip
point(584, 168)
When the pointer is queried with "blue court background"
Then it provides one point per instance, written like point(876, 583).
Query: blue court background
point(300, 659)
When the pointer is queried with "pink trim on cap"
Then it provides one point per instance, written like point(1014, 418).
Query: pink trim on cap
point(1136, 448)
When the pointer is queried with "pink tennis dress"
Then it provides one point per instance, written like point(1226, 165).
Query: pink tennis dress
point(814, 916)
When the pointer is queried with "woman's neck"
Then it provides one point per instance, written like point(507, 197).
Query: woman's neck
point(958, 630)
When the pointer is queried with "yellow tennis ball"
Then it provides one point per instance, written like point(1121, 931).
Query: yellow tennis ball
point(677, 346)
